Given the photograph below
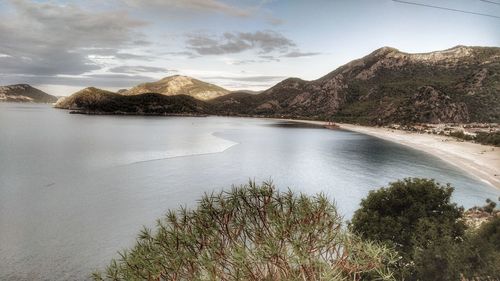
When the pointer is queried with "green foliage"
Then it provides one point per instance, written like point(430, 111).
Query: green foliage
point(461, 135)
point(492, 138)
point(490, 206)
point(252, 233)
point(479, 257)
point(96, 101)
point(415, 217)
point(438, 260)
point(488, 138)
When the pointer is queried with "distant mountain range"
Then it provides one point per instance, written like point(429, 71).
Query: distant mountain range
point(24, 93)
point(461, 84)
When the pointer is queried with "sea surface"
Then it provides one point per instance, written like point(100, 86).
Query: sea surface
point(75, 189)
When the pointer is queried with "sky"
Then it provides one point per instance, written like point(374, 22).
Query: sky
point(62, 46)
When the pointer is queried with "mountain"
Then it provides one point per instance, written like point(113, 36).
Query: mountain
point(85, 99)
point(179, 85)
point(97, 101)
point(24, 93)
point(461, 84)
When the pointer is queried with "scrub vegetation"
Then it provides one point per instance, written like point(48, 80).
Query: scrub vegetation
point(407, 231)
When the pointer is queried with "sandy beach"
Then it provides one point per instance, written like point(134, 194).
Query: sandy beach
point(481, 161)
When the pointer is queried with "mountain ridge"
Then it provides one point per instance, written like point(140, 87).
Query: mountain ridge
point(179, 84)
point(384, 87)
point(460, 84)
point(92, 100)
point(24, 93)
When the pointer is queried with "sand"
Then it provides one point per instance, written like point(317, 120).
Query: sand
point(480, 161)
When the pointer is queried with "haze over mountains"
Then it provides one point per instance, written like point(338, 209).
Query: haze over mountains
point(460, 84)
point(24, 93)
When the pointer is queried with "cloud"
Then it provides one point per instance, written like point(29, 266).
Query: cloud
point(129, 56)
point(45, 38)
point(241, 62)
point(96, 80)
point(133, 69)
point(269, 58)
point(211, 6)
point(274, 21)
point(112, 53)
point(208, 6)
point(187, 54)
point(238, 81)
point(236, 42)
point(117, 80)
point(235, 86)
point(259, 78)
point(45, 62)
point(141, 43)
point(263, 59)
point(297, 54)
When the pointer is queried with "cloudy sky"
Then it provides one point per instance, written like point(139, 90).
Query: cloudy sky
point(62, 46)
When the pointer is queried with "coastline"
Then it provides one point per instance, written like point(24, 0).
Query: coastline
point(481, 161)
point(82, 112)
point(477, 160)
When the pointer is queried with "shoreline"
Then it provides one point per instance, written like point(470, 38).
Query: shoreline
point(123, 113)
point(477, 160)
point(480, 161)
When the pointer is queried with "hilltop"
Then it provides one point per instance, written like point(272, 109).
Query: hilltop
point(24, 93)
point(179, 85)
point(460, 84)
point(97, 101)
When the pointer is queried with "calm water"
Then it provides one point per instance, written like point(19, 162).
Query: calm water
point(75, 189)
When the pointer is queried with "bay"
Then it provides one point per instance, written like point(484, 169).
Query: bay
point(75, 189)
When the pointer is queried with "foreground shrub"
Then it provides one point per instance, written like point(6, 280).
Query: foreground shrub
point(252, 233)
point(416, 217)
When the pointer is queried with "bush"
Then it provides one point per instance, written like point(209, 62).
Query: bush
point(488, 138)
point(415, 217)
point(480, 256)
point(462, 135)
point(492, 138)
point(490, 206)
point(253, 233)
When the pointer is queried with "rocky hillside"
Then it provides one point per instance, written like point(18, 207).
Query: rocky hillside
point(85, 99)
point(179, 85)
point(461, 84)
point(96, 101)
point(24, 93)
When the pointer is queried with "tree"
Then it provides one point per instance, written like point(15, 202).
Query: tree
point(253, 233)
point(416, 217)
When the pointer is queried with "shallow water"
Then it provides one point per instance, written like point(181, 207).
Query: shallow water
point(75, 189)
